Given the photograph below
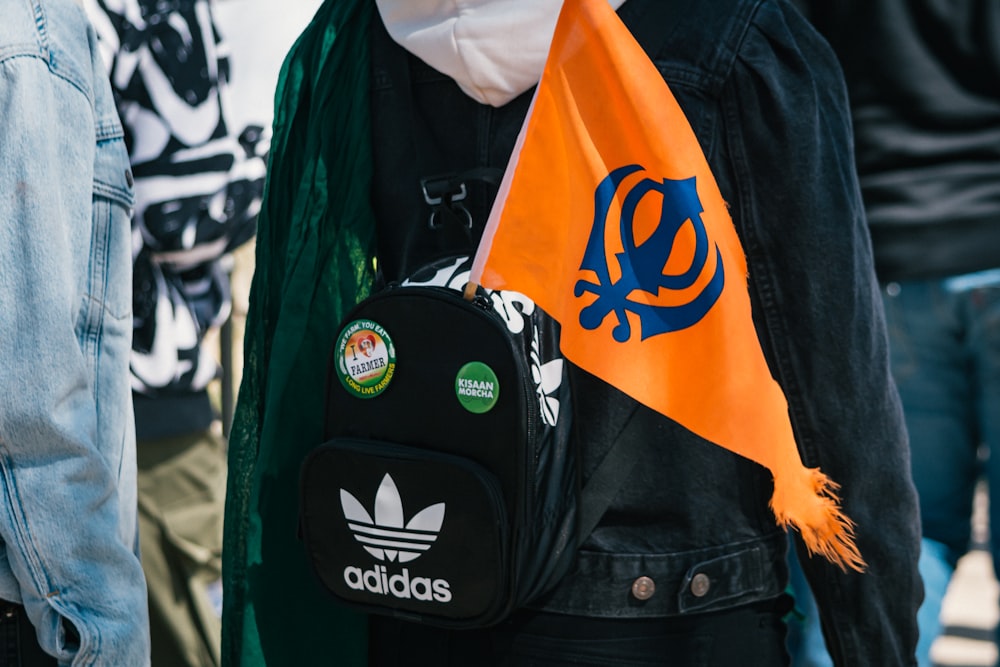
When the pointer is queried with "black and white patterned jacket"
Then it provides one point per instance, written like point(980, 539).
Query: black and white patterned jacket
point(198, 189)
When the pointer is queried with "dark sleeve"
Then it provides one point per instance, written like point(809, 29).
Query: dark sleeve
point(798, 208)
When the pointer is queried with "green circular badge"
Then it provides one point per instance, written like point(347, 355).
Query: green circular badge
point(366, 358)
point(477, 387)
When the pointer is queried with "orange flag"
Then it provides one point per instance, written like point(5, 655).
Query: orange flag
point(609, 218)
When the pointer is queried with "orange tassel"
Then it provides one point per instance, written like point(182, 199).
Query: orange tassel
point(806, 499)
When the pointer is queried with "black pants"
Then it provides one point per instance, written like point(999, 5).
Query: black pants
point(752, 635)
point(18, 641)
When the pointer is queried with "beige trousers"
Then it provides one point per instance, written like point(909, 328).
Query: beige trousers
point(182, 490)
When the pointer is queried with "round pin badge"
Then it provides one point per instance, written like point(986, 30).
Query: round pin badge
point(366, 358)
point(477, 387)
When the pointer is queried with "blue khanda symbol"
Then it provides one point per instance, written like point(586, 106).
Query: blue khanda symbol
point(642, 266)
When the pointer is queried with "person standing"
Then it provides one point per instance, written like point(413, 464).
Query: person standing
point(198, 183)
point(687, 566)
point(923, 79)
point(71, 583)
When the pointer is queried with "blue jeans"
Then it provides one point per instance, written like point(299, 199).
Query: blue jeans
point(945, 354)
point(805, 636)
point(944, 341)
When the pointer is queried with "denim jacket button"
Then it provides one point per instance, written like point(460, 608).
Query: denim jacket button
point(700, 584)
point(643, 588)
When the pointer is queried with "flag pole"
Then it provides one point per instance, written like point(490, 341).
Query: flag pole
point(470, 290)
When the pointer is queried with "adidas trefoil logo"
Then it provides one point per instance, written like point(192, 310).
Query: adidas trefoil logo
point(387, 537)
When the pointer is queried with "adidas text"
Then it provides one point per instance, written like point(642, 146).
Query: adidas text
point(379, 582)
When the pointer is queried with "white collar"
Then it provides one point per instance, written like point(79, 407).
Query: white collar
point(493, 49)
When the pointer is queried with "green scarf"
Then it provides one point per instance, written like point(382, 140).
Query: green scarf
point(315, 246)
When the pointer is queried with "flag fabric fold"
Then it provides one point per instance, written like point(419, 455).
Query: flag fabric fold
point(610, 219)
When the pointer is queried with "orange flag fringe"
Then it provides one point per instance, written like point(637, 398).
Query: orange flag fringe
point(610, 219)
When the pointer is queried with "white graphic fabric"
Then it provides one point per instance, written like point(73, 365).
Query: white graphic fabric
point(198, 185)
point(515, 309)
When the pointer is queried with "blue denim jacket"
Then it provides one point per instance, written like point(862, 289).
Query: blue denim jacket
point(68, 548)
point(766, 98)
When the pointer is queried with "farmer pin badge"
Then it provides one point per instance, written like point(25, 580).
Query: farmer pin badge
point(366, 358)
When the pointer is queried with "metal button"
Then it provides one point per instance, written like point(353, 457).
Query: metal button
point(700, 584)
point(128, 177)
point(643, 588)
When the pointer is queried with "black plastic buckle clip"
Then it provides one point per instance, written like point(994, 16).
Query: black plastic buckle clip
point(444, 195)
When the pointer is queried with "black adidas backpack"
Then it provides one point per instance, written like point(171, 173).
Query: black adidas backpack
point(446, 490)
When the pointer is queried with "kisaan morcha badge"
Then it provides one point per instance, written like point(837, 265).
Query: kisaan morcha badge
point(366, 358)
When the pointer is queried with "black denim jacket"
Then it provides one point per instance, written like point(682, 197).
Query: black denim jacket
point(766, 99)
